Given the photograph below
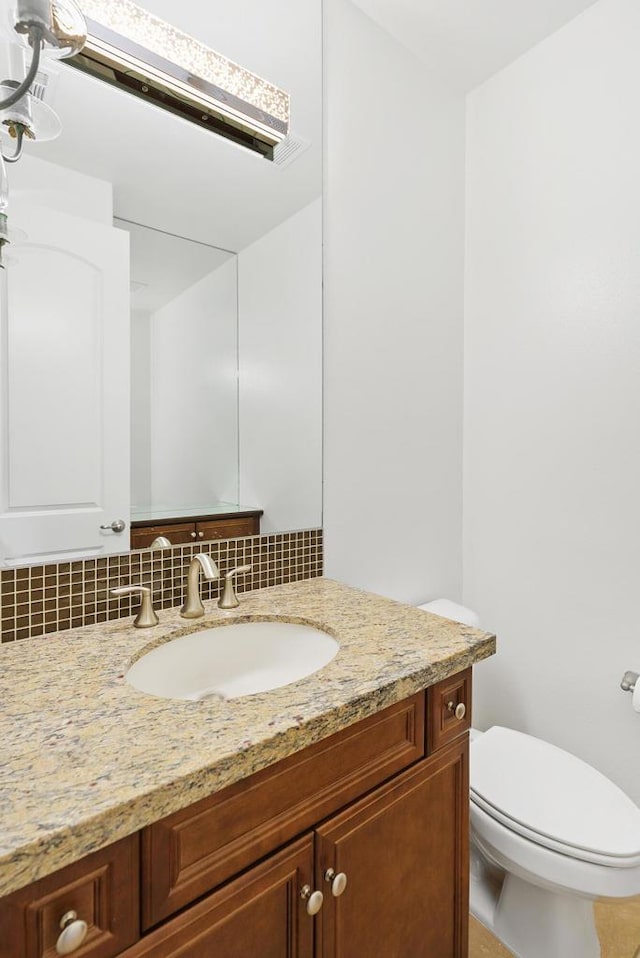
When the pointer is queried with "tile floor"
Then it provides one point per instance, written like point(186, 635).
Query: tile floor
point(618, 927)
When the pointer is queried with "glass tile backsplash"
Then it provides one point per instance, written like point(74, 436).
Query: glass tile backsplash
point(41, 599)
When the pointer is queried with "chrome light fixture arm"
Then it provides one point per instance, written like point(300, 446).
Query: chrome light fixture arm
point(36, 37)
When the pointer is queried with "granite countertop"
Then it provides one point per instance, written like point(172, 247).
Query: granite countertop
point(86, 759)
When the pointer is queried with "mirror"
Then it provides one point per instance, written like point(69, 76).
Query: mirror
point(162, 306)
point(184, 373)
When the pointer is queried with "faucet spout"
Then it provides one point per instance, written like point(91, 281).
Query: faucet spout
point(201, 563)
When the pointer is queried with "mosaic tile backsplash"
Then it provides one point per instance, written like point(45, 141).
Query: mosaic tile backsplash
point(41, 599)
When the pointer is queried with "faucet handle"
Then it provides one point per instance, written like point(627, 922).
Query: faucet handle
point(229, 599)
point(146, 617)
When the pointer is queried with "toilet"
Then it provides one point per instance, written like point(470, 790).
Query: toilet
point(549, 835)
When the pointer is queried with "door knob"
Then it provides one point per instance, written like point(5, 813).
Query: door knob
point(118, 525)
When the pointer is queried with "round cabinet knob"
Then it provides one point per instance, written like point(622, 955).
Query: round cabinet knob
point(338, 882)
point(201, 535)
point(193, 535)
point(74, 932)
point(313, 899)
point(459, 710)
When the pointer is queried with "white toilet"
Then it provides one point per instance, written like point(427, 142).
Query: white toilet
point(549, 835)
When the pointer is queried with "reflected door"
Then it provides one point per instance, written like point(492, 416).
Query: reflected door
point(64, 366)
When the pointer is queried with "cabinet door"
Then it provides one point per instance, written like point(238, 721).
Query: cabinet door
point(260, 914)
point(404, 850)
point(189, 853)
point(227, 528)
point(178, 533)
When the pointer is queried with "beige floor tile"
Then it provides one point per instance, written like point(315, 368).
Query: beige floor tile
point(484, 945)
point(618, 927)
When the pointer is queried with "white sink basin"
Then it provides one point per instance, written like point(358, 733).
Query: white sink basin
point(232, 660)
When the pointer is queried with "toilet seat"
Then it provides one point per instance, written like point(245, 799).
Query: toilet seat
point(554, 799)
point(546, 868)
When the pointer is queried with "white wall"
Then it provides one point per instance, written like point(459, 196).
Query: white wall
point(46, 184)
point(552, 410)
point(280, 309)
point(394, 221)
point(194, 401)
point(140, 408)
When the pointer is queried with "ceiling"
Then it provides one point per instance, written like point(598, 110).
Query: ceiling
point(169, 174)
point(173, 176)
point(467, 41)
point(163, 266)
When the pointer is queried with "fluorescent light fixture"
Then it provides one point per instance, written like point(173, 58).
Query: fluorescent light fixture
point(131, 48)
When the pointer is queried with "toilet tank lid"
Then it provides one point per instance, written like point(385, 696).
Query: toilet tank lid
point(554, 798)
point(451, 610)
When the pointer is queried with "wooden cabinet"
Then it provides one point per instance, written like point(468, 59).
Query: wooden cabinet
point(229, 529)
point(449, 710)
point(384, 803)
point(178, 533)
point(192, 851)
point(103, 891)
point(205, 529)
point(404, 852)
point(260, 914)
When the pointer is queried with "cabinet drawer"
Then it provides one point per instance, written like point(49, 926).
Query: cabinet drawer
point(178, 533)
point(187, 854)
point(227, 529)
point(443, 700)
point(102, 889)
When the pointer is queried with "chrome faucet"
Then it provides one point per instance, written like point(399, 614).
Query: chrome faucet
point(160, 542)
point(193, 607)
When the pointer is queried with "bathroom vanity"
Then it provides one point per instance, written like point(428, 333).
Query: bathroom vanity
point(181, 526)
point(217, 831)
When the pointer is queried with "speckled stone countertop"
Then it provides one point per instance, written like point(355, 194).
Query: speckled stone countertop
point(85, 759)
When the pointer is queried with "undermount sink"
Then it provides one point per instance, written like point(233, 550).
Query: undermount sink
point(229, 661)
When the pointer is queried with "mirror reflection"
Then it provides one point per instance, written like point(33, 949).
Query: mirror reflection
point(162, 312)
point(184, 373)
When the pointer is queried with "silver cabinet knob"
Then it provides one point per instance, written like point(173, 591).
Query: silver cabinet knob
point(74, 931)
point(459, 710)
point(201, 535)
point(118, 525)
point(193, 535)
point(314, 899)
point(338, 882)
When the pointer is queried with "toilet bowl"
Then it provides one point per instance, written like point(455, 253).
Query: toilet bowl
point(549, 835)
